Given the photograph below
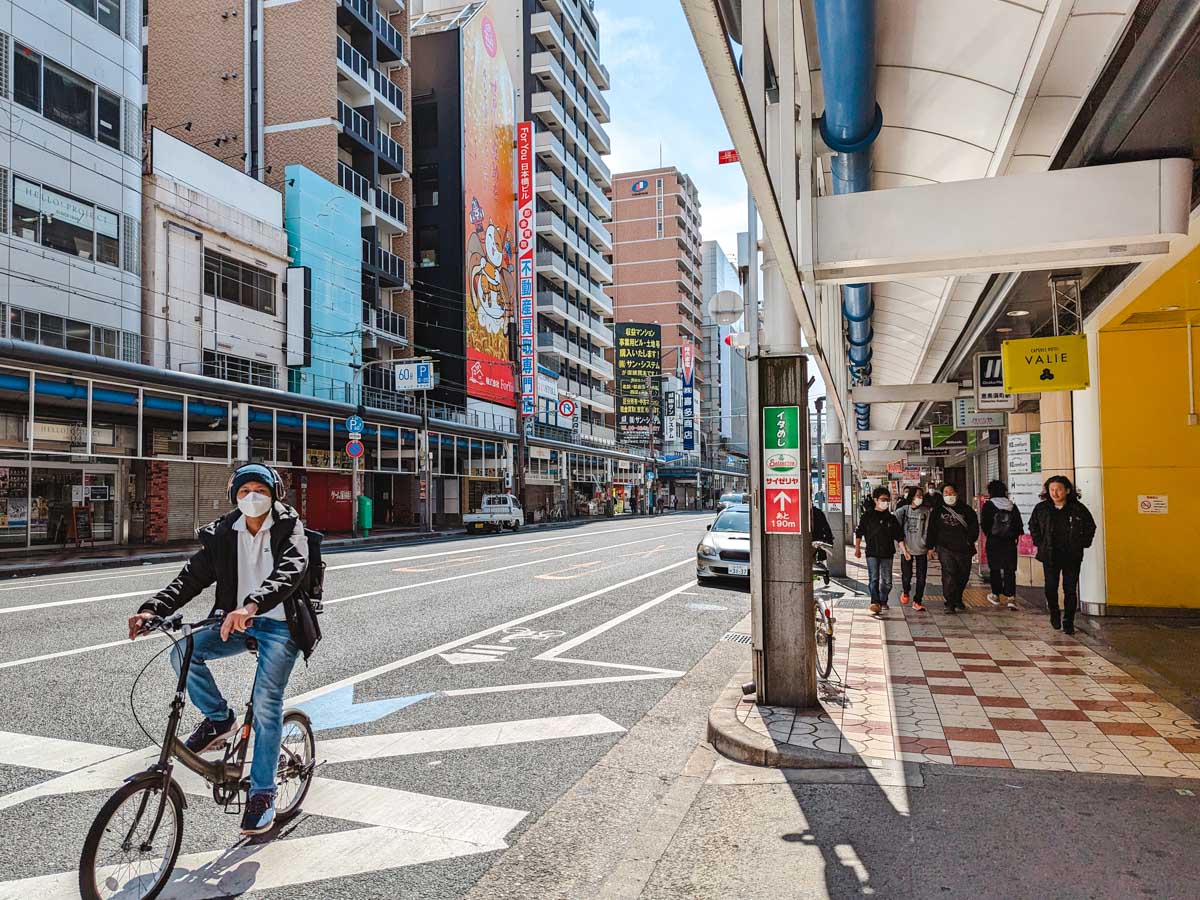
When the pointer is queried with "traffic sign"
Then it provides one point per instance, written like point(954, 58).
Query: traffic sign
point(782, 506)
point(355, 449)
point(415, 376)
point(355, 423)
point(566, 408)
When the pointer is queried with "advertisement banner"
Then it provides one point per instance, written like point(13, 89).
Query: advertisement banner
point(639, 376)
point(687, 354)
point(490, 264)
point(989, 384)
point(526, 270)
point(1034, 365)
point(781, 466)
point(833, 486)
point(966, 416)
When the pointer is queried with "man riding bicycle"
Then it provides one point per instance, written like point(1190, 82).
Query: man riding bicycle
point(257, 555)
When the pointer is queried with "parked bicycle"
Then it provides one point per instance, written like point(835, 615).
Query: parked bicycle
point(133, 844)
point(824, 611)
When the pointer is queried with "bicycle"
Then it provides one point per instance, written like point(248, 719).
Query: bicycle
point(824, 611)
point(141, 825)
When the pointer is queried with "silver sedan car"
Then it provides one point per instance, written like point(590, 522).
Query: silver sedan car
point(725, 550)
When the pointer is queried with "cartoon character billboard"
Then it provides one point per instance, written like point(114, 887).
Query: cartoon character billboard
point(490, 265)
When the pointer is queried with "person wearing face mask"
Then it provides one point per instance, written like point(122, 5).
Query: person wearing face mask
point(882, 532)
point(914, 518)
point(953, 530)
point(1061, 528)
point(1000, 521)
point(257, 555)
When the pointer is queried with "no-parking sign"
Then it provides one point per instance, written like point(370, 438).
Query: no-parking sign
point(355, 449)
point(567, 408)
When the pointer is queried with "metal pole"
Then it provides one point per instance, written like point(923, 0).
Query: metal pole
point(426, 463)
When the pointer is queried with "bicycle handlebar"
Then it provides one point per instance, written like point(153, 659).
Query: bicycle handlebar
point(174, 622)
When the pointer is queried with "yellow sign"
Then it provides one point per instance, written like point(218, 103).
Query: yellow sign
point(1033, 365)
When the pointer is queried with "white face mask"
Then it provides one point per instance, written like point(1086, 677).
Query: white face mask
point(916, 501)
point(950, 499)
point(254, 505)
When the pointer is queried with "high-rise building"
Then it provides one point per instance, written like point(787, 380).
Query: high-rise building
point(310, 97)
point(723, 396)
point(657, 260)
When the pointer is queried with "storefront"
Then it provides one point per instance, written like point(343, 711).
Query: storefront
point(48, 504)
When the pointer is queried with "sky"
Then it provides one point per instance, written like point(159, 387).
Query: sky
point(661, 97)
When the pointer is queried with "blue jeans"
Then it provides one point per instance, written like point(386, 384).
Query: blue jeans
point(276, 656)
point(879, 577)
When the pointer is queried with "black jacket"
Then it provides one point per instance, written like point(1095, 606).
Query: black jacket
point(988, 514)
point(953, 529)
point(820, 527)
point(217, 561)
point(1080, 531)
point(881, 531)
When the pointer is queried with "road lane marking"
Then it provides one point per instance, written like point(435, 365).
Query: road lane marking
point(579, 570)
point(61, 653)
point(52, 603)
point(51, 754)
point(29, 581)
point(484, 633)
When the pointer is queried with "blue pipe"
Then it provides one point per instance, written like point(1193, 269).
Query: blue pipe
point(849, 125)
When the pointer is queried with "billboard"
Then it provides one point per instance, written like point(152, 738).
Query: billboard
point(526, 270)
point(639, 380)
point(490, 264)
point(687, 354)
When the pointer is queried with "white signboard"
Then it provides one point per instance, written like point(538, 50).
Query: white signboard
point(966, 416)
point(1019, 443)
point(415, 376)
point(547, 387)
point(1025, 491)
point(1152, 504)
point(989, 384)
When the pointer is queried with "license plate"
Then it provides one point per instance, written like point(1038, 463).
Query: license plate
point(739, 570)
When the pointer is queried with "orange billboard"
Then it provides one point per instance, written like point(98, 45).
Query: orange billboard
point(490, 264)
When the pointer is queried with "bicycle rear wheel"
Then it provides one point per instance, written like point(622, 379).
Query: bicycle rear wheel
point(297, 758)
point(824, 642)
point(121, 858)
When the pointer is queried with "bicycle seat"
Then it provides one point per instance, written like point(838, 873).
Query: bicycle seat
point(252, 645)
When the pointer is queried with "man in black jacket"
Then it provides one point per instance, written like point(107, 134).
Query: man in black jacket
point(882, 532)
point(953, 530)
point(257, 555)
point(1061, 528)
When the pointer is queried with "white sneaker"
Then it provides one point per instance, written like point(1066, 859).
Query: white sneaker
point(993, 599)
point(1012, 603)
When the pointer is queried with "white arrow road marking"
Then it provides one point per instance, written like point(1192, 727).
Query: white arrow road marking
point(463, 658)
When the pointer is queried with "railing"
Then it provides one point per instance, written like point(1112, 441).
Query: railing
point(352, 181)
point(353, 60)
point(389, 34)
point(362, 7)
point(385, 321)
point(389, 204)
point(550, 339)
point(374, 255)
point(354, 121)
point(390, 150)
point(389, 90)
point(543, 100)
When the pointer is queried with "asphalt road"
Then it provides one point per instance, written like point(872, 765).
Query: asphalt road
point(463, 687)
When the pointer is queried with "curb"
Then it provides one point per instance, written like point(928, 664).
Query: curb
point(742, 744)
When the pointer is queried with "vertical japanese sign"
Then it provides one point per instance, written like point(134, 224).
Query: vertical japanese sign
point(526, 271)
point(639, 374)
point(782, 472)
point(687, 354)
point(833, 486)
point(490, 267)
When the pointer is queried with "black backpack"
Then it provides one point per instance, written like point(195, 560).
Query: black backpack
point(304, 606)
point(1004, 523)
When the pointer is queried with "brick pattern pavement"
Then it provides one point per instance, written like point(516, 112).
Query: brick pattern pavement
point(987, 688)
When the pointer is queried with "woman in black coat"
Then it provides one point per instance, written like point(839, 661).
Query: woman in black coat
point(1062, 528)
point(1000, 521)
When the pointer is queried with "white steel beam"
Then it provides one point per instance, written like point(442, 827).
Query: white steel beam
point(904, 393)
point(1097, 215)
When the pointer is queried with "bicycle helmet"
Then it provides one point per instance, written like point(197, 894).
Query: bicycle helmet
point(256, 472)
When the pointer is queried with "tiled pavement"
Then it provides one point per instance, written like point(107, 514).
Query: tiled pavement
point(985, 688)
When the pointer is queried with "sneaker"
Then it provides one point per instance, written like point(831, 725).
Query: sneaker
point(875, 608)
point(209, 734)
point(904, 599)
point(259, 815)
point(993, 599)
point(1012, 603)
point(918, 607)
point(950, 610)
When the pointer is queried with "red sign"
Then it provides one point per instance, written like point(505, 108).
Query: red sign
point(833, 485)
point(355, 449)
point(727, 156)
point(782, 508)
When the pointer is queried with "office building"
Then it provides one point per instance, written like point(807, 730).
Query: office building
point(723, 395)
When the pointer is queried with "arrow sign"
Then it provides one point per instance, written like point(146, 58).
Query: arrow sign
point(782, 508)
point(783, 499)
point(464, 659)
point(338, 709)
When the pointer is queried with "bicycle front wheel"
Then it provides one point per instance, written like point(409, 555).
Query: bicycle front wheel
point(824, 641)
point(130, 850)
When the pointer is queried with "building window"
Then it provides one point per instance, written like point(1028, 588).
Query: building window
point(27, 78)
point(238, 282)
point(26, 209)
point(426, 185)
point(108, 119)
point(108, 237)
point(64, 223)
point(108, 14)
point(69, 100)
point(425, 126)
point(427, 246)
point(236, 368)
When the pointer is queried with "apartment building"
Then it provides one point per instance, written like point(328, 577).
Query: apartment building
point(308, 96)
point(723, 395)
point(657, 261)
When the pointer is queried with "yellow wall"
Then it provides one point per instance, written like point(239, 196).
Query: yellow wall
point(1149, 448)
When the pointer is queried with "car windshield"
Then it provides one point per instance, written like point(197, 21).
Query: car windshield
point(737, 520)
point(731, 498)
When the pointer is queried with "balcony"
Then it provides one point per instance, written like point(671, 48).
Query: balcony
point(391, 154)
point(390, 92)
point(546, 29)
point(385, 323)
point(354, 122)
point(361, 8)
point(390, 205)
point(356, 184)
point(389, 38)
point(353, 63)
point(383, 261)
point(552, 227)
point(546, 105)
point(548, 340)
point(549, 183)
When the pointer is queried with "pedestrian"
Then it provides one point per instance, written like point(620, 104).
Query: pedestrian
point(674, 503)
point(820, 526)
point(1002, 526)
point(882, 532)
point(953, 530)
point(914, 515)
point(1062, 528)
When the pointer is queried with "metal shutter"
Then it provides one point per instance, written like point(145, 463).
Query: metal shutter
point(4, 66)
point(132, 126)
point(181, 501)
point(133, 245)
point(212, 501)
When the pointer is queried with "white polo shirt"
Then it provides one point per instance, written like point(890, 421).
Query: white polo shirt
point(255, 561)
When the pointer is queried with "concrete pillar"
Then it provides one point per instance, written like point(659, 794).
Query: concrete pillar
point(1089, 481)
point(1058, 440)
